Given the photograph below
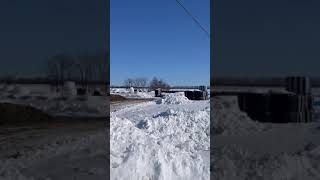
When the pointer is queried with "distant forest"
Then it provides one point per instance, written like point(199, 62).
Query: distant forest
point(84, 68)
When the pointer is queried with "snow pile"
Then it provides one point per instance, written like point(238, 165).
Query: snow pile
point(20, 91)
point(228, 119)
point(129, 93)
point(8, 88)
point(69, 89)
point(145, 94)
point(174, 98)
point(131, 90)
point(236, 163)
point(159, 141)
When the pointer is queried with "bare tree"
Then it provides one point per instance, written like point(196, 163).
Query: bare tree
point(156, 83)
point(59, 68)
point(128, 82)
point(141, 82)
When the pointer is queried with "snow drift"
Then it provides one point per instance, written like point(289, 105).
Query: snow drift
point(161, 141)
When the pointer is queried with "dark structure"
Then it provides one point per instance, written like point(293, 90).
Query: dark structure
point(201, 94)
point(158, 93)
point(294, 106)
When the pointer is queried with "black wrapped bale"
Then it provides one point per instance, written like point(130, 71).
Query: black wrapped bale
point(157, 93)
point(96, 93)
point(189, 95)
point(202, 88)
point(276, 107)
point(81, 91)
point(256, 105)
point(198, 95)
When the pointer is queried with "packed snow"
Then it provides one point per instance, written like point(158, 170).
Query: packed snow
point(161, 141)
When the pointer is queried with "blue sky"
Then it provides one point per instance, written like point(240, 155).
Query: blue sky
point(34, 30)
point(156, 38)
point(266, 38)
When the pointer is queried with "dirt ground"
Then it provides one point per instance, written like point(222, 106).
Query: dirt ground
point(54, 148)
point(118, 102)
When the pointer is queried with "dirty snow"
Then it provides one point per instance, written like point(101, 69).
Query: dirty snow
point(161, 141)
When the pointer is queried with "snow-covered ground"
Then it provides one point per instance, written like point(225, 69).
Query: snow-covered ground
point(164, 139)
point(53, 103)
point(65, 148)
point(246, 149)
point(144, 94)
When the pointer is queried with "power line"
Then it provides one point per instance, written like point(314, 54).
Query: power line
point(193, 18)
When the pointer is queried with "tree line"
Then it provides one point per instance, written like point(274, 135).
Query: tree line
point(143, 82)
point(83, 68)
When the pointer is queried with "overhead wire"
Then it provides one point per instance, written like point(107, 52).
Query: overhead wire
point(193, 17)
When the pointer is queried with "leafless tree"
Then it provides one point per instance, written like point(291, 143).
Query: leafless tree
point(128, 82)
point(59, 68)
point(156, 83)
point(141, 82)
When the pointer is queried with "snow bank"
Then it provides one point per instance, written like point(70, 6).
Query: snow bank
point(228, 119)
point(160, 141)
point(69, 89)
point(92, 106)
point(236, 163)
point(174, 98)
point(20, 91)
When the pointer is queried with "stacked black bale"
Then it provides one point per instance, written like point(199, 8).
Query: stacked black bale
point(302, 101)
point(204, 93)
point(200, 95)
point(298, 85)
point(277, 107)
point(202, 88)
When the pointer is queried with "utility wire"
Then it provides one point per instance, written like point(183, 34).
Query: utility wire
point(193, 18)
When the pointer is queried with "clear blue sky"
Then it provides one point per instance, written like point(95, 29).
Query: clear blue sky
point(34, 30)
point(266, 38)
point(156, 38)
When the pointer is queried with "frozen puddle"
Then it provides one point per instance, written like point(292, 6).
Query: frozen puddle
point(167, 139)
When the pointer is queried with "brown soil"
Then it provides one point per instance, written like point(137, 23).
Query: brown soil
point(117, 98)
point(13, 113)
